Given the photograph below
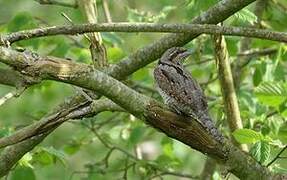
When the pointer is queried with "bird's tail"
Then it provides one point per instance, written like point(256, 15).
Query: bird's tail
point(209, 125)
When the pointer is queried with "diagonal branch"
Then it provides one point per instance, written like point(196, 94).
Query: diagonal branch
point(146, 55)
point(30, 136)
point(145, 108)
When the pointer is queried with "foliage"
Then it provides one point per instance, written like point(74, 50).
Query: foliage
point(101, 147)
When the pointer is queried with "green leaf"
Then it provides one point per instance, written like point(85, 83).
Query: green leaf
point(167, 146)
point(72, 148)
point(260, 151)
point(165, 161)
point(24, 21)
point(115, 53)
point(4, 131)
point(135, 15)
point(61, 49)
point(80, 54)
point(112, 38)
point(25, 160)
point(279, 170)
point(260, 69)
point(271, 93)
point(23, 173)
point(50, 155)
point(246, 16)
point(246, 136)
point(43, 158)
point(136, 135)
point(21, 21)
point(282, 133)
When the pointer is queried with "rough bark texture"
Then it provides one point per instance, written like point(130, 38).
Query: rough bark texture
point(185, 130)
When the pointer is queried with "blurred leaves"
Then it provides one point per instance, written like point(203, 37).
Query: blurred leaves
point(23, 173)
point(49, 155)
point(245, 15)
point(271, 93)
point(26, 160)
point(247, 136)
point(262, 92)
point(135, 15)
point(24, 21)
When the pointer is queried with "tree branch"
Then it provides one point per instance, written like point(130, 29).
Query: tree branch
point(153, 51)
point(28, 137)
point(49, 123)
point(13, 78)
point(181, 128)
point(227, 87)
point(144, 27)
point(97, 48)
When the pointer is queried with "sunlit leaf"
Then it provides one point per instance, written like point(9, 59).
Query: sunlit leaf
point(246, 16)
point(26, 160)
point(271, 94)
point(114, 54)
point(23, 173)
point(260, 151)
point(246, 136)
point(50, 155)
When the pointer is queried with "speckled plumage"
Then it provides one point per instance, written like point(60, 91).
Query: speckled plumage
point(180, 90)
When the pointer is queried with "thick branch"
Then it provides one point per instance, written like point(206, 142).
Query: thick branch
point(151, 52)
point(145, 27)
point(13, 78)
point(28, 137)
point(47, 124)
point(181, 128)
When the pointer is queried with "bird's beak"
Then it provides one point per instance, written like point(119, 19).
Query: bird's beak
point(187, 53)
point(184, 55)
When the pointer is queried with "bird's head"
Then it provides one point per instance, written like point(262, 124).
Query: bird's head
point(175, 55)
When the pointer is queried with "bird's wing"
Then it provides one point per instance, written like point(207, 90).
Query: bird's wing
point(178, 84)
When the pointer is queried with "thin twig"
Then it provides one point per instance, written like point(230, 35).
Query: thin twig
point(277, 156)
point(256, 53)
point(144, 27)
point(11, 95)
point(59, 3)
point(107, 11)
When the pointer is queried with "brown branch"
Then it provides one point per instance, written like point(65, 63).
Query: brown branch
point(97, 48)
point(227, 87)
point(28, 137)
point(151, 52)
point(47, 124)
point(13, 78)
point(184, 129)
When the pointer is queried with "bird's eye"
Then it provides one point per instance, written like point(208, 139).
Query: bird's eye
point(173, 54)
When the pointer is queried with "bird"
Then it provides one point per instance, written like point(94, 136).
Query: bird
point(180, 91)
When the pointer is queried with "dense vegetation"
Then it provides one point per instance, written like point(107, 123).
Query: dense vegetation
point(51, 128)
